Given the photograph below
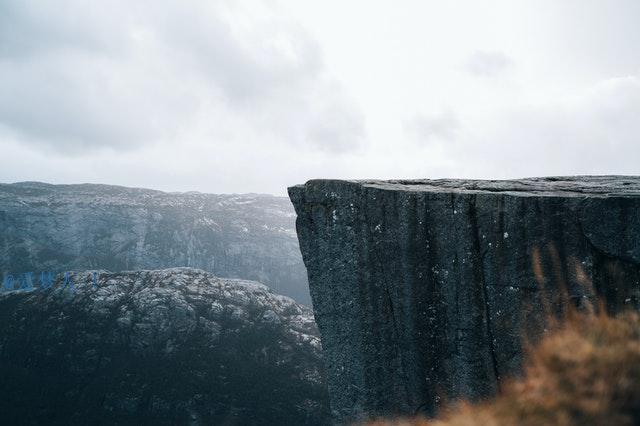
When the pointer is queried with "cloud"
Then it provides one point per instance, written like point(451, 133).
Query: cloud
point(488, 63)
point(441, 126)
point(592, 132)
point(255, 95)
point(77, 76)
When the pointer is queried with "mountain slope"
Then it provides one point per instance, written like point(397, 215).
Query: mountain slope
point(176, 346)
point(81, 227)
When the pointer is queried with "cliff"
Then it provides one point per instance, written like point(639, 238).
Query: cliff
point(175, 346)
point(422, 290)
point(81, 227)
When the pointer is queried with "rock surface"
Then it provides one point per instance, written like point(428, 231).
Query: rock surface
point(175, 346)
point(423, 289)
point(81, 227)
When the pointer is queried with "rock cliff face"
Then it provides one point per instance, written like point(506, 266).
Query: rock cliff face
point(423, 289)
point(176, 346)
point(81, 227)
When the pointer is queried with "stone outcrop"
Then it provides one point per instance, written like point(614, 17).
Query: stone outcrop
point(81, 227)
point(176, 347)
point(422, 290)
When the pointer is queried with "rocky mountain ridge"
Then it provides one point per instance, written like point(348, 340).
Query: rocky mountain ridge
point(174, 346)
point(46, 227)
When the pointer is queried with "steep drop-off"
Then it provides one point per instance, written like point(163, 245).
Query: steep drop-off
point(81, 227)
point(422, 290)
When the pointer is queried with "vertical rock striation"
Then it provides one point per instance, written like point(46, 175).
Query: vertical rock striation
point(422, 289)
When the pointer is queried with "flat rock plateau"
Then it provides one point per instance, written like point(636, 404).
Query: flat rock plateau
point(423, 289)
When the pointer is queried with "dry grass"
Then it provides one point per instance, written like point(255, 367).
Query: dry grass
point(585, 372)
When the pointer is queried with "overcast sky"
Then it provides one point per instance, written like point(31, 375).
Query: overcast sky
point(243, 96)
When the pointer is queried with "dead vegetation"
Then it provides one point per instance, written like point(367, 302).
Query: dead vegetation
point(586, 371)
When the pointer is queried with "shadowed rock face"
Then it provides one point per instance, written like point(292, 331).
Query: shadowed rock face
point(176, 346)
point(422, 289)
point(81, 227)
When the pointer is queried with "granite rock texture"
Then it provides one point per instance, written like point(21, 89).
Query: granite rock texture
point(176, 347)
point(81, 227)
point(423, 289)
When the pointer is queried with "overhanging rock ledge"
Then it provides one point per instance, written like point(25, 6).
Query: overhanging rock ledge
point(422, 288)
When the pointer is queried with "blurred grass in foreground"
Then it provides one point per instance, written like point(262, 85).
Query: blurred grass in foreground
point(585, 371)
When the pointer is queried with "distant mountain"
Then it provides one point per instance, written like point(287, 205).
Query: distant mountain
point(176, 346)
point(80, 227)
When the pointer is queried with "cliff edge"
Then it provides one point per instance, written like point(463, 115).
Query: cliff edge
point(423, 289)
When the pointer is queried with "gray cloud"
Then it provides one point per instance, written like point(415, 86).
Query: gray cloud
point(77, 76)
point(488, 63)
point(435, 127)
point(244, 95)
point(593, 132)
point(31, 28)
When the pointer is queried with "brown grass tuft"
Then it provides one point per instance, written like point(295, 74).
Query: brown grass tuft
point(585, 372)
